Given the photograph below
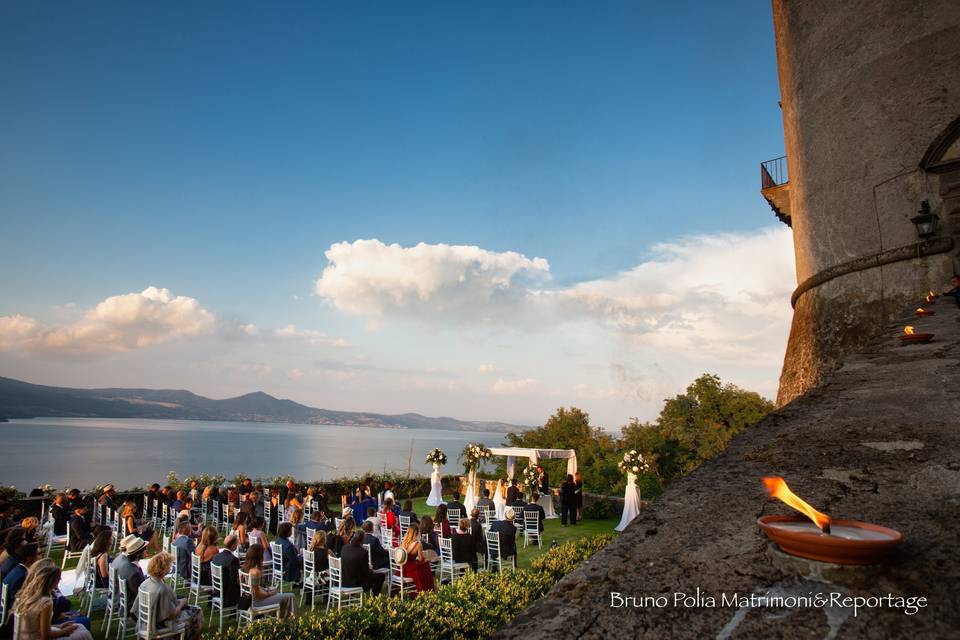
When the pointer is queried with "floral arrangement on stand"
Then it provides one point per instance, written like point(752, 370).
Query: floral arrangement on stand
point(633, 462)
point(531, 477)
point(473, 455)
point(437, 457)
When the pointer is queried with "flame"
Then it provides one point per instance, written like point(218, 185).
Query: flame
point(908, 330)
point(920, 310)
point(777, 488)
point(931, 296)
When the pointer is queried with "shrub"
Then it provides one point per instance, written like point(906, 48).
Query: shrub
point(599, 509)
point(474, 607)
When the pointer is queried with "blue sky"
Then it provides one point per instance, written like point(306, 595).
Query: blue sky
point(219, 151)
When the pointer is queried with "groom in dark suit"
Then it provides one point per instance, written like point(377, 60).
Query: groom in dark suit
point(512, 492)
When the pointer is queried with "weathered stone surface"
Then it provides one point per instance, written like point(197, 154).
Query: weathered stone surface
point(907, 398)
point(867, 86)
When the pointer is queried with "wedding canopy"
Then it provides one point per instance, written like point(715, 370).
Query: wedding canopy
point(534, 456)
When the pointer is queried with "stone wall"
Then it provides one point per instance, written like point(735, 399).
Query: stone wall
point(867, 86)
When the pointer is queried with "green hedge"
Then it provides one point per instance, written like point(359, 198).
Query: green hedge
point(474, 607)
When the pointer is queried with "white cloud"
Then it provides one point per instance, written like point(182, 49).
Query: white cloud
point(486, 369)
point(510, 387)
point(119, 323)
point(368, 277)
point(309, 336)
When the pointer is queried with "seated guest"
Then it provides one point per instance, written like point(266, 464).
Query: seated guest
point(320, 498)
point(265, 597)
point(356, 570)
point(25, 555)
point(185, 547)
point(533, 506)
point(440, 518)
point(485, 501)
point(292, 566)
point(80, 534)
point(476, 532)
point(240, 525)
point(205, 552)
point(30, 526)
point(456, 504)
point(508, 534)
point(105, 501)
point(427, 532)
point(141, 528)
point(230, 570)
point(73, 499)
point(194, 493)
point(378, 555)
point(373, 519)
point(318, 521)
point(299, 529)
point(13, 541)
point(248, 504)
point(100, 554)
point(177, 503)
point(416, 565)
point(60, 514)
point(408, 512)
point(386, 493)
point(246, 487)
point(462, 544)
point(317, 551)
point(258, 535)
point(35, 606)
point(149, 499)
point(127, 566)
point(336, 539)
point(362, 501)
point(168, 611)
point(389, 519)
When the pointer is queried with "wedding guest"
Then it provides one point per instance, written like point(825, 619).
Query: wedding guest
point(30, 526)
point(568, 501)
point(35, 606)
point(60, 514)
point(194, 493)
point(416, 567)
point(386, 493)
point(373, 519)
point(431, 546)
point(378, 555)
point(292, 566)
point(80, 533)
point(462, 544)
point(240, 525)
point(149, 499)
point(230, 570)
point(105, 501)
point(100, 554)
point(185, 548)
point(265, 597)
point(205, 552)
point(476, 532)
point(142, 529)
point(508, 534)
point(340, 537)
point(26, 555)
point(440, 518)
point(318, 551)
point(318, 521)
point(356, 571)
point(408, 512)
point(578, 483)
point(15, 538)
point(362, 501)
point(544, 481)
point(73, 499)
point(246, 486)
point(485, 501)
point(456, 504)
point(321, 500)
point(127, 566)
point(388, 518)
point(168, 611)
point(299, 529)
point(258, 536)
point(536, 508)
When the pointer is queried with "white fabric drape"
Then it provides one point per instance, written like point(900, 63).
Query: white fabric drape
point(631, 502)
point(436, 487)
point(471, 500)
point(534, 456)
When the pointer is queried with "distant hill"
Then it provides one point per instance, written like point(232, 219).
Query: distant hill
point(25, 400)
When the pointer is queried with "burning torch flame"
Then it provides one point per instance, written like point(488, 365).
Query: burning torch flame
point(777, 488)
point(931, 296)
point(908, 330)
point(920, 310)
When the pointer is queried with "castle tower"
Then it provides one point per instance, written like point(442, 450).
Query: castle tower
point(870, 94)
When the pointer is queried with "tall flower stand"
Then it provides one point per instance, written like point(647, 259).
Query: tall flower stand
point(435, 498)
point(631, 502)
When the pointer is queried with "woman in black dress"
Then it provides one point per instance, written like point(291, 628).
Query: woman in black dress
point(578, 483)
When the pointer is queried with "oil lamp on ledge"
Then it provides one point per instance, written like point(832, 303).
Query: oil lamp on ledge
point(817, 536)
point(910, 336)
point(924, 312)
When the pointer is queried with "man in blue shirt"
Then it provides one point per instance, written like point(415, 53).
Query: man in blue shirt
point(359, 507)
point(185, 546)
point(25, 555)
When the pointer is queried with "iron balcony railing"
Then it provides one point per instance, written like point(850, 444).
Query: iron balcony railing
point(773, 173)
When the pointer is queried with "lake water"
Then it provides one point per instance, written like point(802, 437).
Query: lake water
point(84, 452)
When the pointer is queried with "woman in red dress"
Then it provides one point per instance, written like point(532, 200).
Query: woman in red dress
point(416, 566)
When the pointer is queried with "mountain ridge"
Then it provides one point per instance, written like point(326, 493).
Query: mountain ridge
point(19, 399)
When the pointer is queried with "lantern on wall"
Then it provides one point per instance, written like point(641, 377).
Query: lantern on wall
point(925, 221)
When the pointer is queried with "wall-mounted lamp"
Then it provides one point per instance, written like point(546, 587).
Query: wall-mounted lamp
point(926, 221)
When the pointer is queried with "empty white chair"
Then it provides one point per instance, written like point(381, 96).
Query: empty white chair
point(55, 543)
point(146, 624)
point(246, 593)
point(314, 582)
point(113, 602)
point(453, 517)
point(404, 525)
point(216, 596)
point(67, 554)
point(336, 522)
point(386, 537)
point(488, 514)
point(344, 596)
point(531, 528)
point(4, 608)
point(267, 512)
point(310, 534)
point(449, 568)
point(127, 627)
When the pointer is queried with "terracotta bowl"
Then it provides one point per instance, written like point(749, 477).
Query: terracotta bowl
point(925, 313)
point(916, 338)
point(853, 542)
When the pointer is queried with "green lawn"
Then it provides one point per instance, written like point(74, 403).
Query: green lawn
point(553, 531)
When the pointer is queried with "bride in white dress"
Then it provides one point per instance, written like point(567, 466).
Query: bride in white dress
point(500, 500)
